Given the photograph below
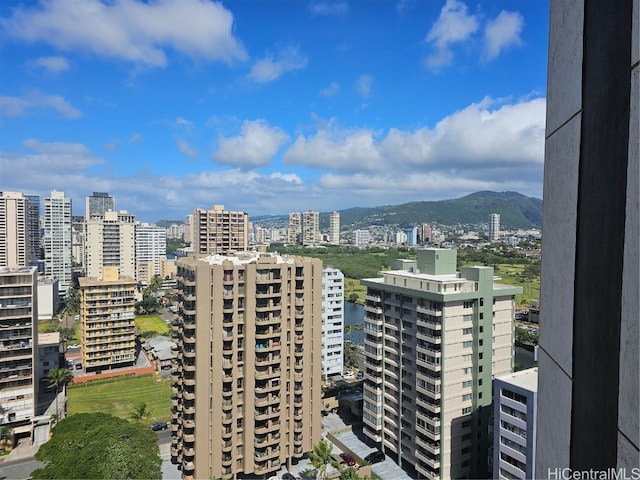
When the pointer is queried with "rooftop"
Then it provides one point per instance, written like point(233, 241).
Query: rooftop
point(526, 379)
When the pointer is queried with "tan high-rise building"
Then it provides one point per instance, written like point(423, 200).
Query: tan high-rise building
point(107, 312)
point(434, 339)
point(334, 228)
point(310, 228)
point(219, 231)
point(14, 230)
point(110, 242)
point(18, 347)
point(248, 373)
point(294, 233)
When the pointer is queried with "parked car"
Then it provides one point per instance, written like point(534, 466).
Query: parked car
point(159, 426)
point(348, 375)
point(375, 457)
point(78, 366)
point(348, 459)
point(359, 375)
point(288, 476)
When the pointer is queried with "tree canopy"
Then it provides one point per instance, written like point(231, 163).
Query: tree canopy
point(320, 457)
point(99, 446)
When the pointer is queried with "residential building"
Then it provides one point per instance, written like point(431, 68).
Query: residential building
point(514, 424)
point(151, 245)
point(412, 236)
point(50, 355)
point(588, 402)
point(310, 228)
point(188, 229)
point(14, 230)
point(334, 228)
point(98, 204)
point(434, 339)
point(361, 238)
point(494, 227)
point(219, 231)
point(107, 312)
point(425, 235)
point(34, 249)
point(247, 377)
point(48, 298)
point(176, 231)
point(18, 347)
point(294, 234)
point(332, 322)
point(58, 239)
point(110, 242)
point(167, 267)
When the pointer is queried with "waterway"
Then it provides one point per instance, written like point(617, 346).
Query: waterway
point(354, 313)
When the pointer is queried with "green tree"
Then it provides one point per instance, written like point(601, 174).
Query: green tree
point(320, 458)
point(350, 474)
point(347, 330)
point(58, 378)
point(5, 434)
point(148, 304)
point(139, 412)
point(97, 445)
point(72, 300)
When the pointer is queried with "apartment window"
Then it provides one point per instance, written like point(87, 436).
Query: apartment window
point(466, 344)
point(466, 384)
point(482, 302)
point(466, 397)
point(466, 410)
point(466, 370)
point(467, 331)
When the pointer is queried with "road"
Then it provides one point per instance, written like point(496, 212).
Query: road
point(169, 470)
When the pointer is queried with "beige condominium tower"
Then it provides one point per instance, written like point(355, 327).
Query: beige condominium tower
point(247, 375)
point(219, 231)
point(435, 336)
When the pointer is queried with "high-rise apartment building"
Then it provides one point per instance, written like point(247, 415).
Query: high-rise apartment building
point(110, 241)
point(588, 402)
point(151, 244)
point(514, 425)
point(219, 231)
point(98, 204)
point(434, 339)
point(361, 238)
point(332, 322)
point(34, 249)
point(14, 230)
point(247, 375)
point(57, 239)
point(334, 228)
point(18, 346)
point(494, 227)
point(107, 313)
point(294, 234)
point(310, 228)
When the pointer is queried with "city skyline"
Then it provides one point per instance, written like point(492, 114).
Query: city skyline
point(326, 106)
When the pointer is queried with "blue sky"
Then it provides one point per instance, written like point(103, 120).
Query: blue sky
point(271, 106)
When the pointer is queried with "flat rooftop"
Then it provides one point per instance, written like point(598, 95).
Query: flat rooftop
point(527, 379)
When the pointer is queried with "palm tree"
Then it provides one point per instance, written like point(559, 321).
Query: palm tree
point(321, 457)
point(139, 412)
point(347, 330)
point(58, 379)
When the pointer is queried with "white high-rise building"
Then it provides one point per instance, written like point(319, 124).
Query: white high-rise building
point(361, 238)
point(151, 244)
point(332, 321)
point(58, 245)
point(514, 424)
point(111, 242)
point(14, 230)
point(494, 227)
point(334, 228)
point(310, 228)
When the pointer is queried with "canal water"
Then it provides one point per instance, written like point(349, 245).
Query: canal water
point(354, 313)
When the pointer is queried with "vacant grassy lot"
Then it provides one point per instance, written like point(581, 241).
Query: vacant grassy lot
point(120, 396)
point(148, 325)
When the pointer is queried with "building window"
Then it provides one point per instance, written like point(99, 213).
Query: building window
point(467, 331)
point(482, 302)
point(466, 397)
point(466, 344)
point(466, 410)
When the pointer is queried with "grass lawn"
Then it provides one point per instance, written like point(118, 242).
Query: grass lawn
point(352, 285)
point(120, 396)
point(147, 324)
point(511, 274)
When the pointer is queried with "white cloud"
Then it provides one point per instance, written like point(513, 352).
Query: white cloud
point(364, 85)
point(131, 30)
point(256, 145)
point(454, 25)
point(135, 138)
point(272, 67)
point(339, 9)
point(25, 105)
point(483, 135)
point(184, 123)
point(502, 32)
point(331, 90)
point(52, 64)
point(187, 149)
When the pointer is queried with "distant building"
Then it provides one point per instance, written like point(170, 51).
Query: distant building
point(111, 242)
point(98, 203)
point(14, 230)
point(107, 312)
point(332, 322)
point(218, 231)
point(361, 238)
point(58, 239)
point(248, 375)
point(18, 347)
point(50, 353)
point(167, 267)
point(494, 227)
point(412, 236)
point(48, 298)
point(310, 228)
point(294, 234)
point(151, 245)
point(334, 228)
point(34, 249)
point(514, 424)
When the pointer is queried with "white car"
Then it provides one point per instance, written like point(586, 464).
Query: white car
point(349, 375)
